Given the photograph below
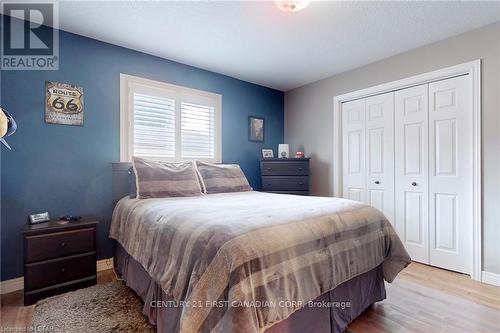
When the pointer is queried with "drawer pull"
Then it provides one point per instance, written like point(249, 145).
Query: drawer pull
point(63, 270)
point(301, 183)
point(300, 169)
point(268, 169)
point(63, 245)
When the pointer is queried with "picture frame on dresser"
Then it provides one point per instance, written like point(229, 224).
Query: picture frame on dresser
point(267, 153)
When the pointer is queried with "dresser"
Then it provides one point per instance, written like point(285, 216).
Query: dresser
point(285, 175)
point(58, 258)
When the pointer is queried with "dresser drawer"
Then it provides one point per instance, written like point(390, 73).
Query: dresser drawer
point(56, 271)
point(285, 183)
point(59, 244)
point(285, 168)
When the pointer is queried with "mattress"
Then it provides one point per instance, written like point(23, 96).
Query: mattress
point(242, 262)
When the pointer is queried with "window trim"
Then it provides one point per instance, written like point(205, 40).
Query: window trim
point(126, 113)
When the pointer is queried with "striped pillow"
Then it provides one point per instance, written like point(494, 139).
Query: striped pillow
point(222, 178)
point(165, 179)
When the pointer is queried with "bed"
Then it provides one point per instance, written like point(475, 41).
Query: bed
point(254, 262)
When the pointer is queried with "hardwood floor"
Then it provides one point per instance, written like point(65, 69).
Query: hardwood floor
point(428, 299)
point(15, 317)
point(421, 299)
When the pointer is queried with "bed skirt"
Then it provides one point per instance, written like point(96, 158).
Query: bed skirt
point(330, 312)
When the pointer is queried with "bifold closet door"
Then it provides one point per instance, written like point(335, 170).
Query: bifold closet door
point(368, 152)
point(379, 129)
point(353, 152)
point(451, 173)
point(433, 172)
point(412, 171)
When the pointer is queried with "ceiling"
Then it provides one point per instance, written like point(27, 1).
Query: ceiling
point(256, 42)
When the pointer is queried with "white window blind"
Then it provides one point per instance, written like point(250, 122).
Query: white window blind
point(154, 126)
point(197, 131)
point(166, 122)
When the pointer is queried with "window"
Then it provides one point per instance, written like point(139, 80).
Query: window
point(166, 122)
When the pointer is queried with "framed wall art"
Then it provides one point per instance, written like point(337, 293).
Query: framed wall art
point(63, 104)
point(255, 129)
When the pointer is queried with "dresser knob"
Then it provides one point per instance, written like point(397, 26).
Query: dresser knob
point(63, 244)
point(377, 182)
point(300, 169)
point(413, 184)
point(301, 183)
point(63, 270)
point(268, 169)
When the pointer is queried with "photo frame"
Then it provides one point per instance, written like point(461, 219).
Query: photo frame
point(255, 129)
point(267, 153)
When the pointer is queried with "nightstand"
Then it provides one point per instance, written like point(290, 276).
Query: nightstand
point(58, 258)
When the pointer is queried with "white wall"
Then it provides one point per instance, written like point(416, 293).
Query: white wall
point(309, 115)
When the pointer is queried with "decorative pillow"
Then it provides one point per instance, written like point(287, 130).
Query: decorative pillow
point(165, 179)
point(221, 178)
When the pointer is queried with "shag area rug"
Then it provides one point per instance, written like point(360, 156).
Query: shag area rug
point(110, 307)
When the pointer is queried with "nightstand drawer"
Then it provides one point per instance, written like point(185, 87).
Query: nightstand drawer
point(56, 271)
point(285, 183)
point(59, 244)
point(285, 168)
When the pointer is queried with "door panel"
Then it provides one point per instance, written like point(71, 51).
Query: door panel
point(353, 159)
point(380, 153)
point(411, 170)
point(450, 179)
point(375, 150)
point(354, 150)
point(355, 194)
point(446, 221)
point(413, 141)
point(376, 199)
point(414, 218)
point(446, 147)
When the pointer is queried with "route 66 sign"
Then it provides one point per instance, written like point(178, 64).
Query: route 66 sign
point(63, 104)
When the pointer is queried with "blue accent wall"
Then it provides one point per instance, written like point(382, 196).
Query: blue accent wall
point(67, 169)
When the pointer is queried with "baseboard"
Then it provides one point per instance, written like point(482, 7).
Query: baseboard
point(12, 285)
point(16, 284)
point(490, 278)
point(104, 264)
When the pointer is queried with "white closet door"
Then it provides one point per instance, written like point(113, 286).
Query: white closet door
point(353, 159)
point(451, 174)
point(379, 132)
point(411, 170)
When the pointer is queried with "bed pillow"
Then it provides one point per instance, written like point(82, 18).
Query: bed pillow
point(165, 179)
point(222, 178)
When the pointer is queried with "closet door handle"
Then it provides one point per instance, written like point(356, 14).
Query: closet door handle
point(377, 182)
point(413, 184)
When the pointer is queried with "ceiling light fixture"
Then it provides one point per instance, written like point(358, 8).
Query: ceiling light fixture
point(291, 5)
